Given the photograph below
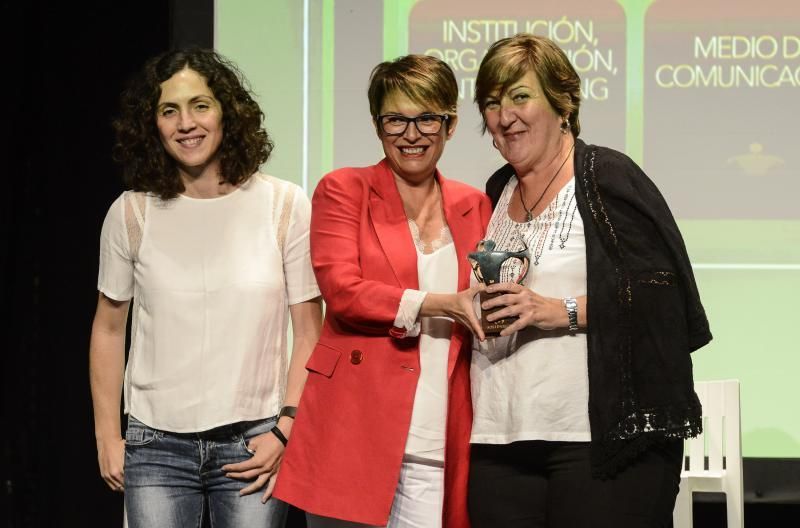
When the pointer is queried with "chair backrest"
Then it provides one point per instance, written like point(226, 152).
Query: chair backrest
point(720, 442)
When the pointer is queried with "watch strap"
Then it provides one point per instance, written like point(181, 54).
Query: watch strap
point(287, 410)
point(282, 437)
point(572, 313)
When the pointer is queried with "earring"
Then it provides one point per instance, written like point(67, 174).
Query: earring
point(494, 144)
point(565, 126)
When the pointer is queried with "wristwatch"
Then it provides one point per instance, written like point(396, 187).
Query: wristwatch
point(287, 410)
point(572, 312)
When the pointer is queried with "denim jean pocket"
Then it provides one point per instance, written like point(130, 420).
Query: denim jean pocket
point(257, 428)
point(138, 434)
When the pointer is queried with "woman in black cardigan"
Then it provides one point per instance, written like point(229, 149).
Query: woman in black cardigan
point(582, 403)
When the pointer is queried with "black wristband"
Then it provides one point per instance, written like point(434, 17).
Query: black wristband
point(287, 410)
point(278, 433)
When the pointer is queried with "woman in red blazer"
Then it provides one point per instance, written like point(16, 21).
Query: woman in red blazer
point(382, 431)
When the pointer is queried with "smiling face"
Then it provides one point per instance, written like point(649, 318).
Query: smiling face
point(524, 126)
point(189, 121)
point(413, 156)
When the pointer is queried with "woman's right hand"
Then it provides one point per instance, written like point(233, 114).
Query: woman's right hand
point(111, 457)
point(530, 308)
point(106, 366)
point(458, 306)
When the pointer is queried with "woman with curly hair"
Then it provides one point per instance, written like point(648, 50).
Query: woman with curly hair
point(214, 255)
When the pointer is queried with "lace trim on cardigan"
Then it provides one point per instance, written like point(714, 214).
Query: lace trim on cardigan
point(658, 278)
point(624, 293)
point(668, 423)
point(639, 429)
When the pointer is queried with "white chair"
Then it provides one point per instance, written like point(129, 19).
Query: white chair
point(721, 445)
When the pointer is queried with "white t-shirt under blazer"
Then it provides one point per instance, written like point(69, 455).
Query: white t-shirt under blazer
point(211, 289)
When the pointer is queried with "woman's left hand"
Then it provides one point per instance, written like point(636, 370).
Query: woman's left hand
point(262, 466)
point(532, 309)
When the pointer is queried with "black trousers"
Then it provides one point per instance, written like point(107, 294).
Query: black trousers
point(538, 484)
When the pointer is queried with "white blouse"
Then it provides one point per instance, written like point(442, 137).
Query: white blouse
point(210, 291)
point(437, 272)
point(534, 385)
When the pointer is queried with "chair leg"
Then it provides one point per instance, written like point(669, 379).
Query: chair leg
point(682, 514)
point(735, 507)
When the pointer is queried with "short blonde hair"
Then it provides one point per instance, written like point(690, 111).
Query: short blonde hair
point(423, 79)
point(509, 59)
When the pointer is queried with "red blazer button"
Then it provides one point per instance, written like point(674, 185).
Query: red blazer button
point(356, 357)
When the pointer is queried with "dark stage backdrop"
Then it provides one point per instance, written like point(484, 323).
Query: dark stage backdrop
point(64, 65)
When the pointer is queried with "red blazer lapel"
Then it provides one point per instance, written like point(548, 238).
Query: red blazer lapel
point(391, 226)
point(459, 215)
point(463, 222)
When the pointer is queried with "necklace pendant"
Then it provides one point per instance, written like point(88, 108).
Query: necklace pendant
point(528, 216)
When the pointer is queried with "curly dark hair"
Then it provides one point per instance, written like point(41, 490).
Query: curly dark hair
point(145, 163)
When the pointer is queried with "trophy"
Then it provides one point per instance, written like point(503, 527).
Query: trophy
point(486, 262)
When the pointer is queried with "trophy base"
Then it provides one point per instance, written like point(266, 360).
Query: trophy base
point(493, 328)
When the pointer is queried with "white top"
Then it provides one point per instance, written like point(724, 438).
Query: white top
point(534, 385)
point(426, 435)
point(210, 310)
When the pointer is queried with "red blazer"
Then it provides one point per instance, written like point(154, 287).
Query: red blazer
point(348, 440)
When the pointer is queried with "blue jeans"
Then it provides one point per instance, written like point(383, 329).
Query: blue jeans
point(172, 478)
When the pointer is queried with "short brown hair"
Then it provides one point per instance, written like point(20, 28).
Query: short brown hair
point(146, 166)
point(509, 59)
point(423, 79)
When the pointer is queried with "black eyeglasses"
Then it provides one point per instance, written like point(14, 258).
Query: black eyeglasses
point(396, 125)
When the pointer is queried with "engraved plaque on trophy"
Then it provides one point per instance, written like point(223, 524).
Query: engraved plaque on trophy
point(487, 262)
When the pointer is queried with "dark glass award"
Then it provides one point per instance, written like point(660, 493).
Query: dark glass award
point(486, 263)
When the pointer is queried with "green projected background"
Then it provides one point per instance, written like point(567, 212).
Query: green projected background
point(702, 94)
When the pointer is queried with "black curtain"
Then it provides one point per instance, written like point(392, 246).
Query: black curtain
point(64, 66)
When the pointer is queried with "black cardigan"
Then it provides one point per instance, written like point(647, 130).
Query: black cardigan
point(643, 309)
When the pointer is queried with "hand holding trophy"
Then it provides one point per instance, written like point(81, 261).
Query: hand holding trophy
point(486, 264)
